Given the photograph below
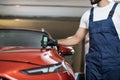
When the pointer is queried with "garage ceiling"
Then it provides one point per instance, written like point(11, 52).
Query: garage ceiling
point(43, 8)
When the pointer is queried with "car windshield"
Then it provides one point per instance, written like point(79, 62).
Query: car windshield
point(16, 37)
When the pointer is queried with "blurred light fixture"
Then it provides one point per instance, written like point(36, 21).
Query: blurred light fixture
point(17, 5)
point(116, 0)
point(17, 19)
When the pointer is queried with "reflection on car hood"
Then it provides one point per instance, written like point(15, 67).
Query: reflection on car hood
point(30, 55)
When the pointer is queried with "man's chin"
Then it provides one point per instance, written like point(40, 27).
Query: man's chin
point(95, 2)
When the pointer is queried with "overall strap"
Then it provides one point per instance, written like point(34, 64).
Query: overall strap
point(91, 14)
point(112, 10)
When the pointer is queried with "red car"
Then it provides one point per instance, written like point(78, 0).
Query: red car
point(32, 55)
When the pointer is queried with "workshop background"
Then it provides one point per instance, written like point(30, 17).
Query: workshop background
point(59, 17)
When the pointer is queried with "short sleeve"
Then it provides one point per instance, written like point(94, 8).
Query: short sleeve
point(85, 20)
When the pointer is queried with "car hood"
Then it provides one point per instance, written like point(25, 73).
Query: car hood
point(30, 55)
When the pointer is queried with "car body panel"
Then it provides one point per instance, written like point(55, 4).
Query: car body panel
point(46, 57)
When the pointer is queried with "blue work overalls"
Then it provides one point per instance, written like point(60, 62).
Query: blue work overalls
point(103, 59)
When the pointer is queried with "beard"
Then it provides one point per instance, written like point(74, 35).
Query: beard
point(95, 1)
